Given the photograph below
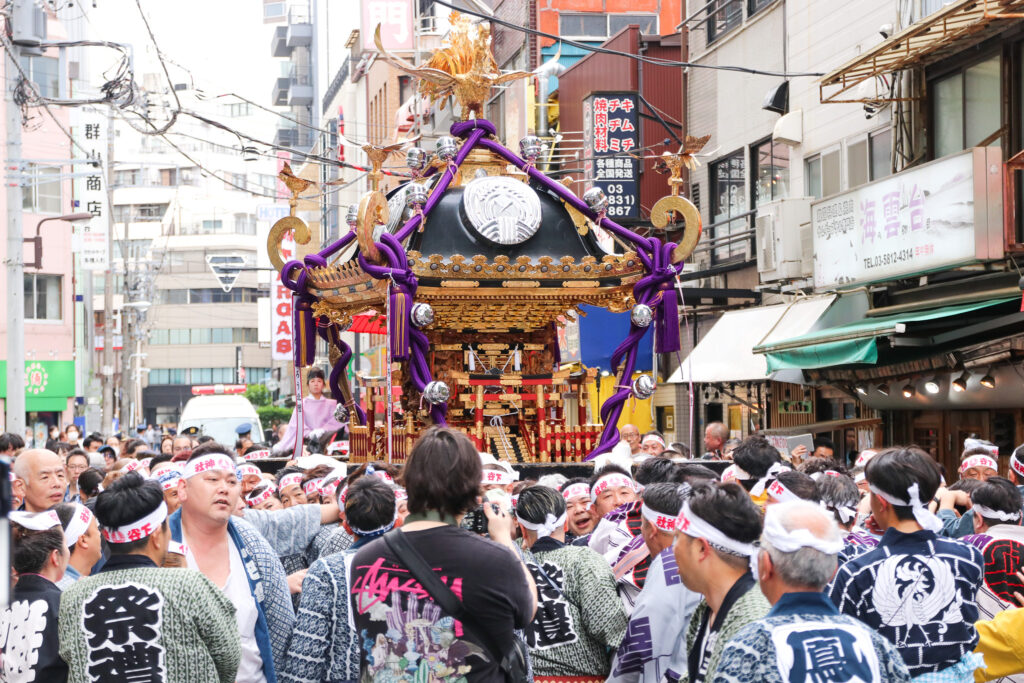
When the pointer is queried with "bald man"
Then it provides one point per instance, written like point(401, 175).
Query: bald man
point(715, 436)
point(41, 479)
point(625, 452)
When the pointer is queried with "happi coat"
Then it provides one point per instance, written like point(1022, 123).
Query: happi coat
point(324, 646)
point(28, 633)
point(132, 615)
point(268, 584)
point(579, 618)
point(917, 590)
point(657, 625)
point(804, 639)
point(748, 607)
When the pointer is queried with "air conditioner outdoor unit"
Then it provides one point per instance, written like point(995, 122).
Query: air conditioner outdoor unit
point(784, 249)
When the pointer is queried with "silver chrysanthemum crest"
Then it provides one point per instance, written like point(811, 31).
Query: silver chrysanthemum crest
point(502, 210)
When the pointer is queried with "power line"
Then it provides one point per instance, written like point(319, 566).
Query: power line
point(163, 65)
point(604, 50)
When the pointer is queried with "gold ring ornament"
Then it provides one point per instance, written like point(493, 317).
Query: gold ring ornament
point(373, 212)
point(663, 212)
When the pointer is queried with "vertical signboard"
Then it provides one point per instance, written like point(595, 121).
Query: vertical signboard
point(610, 134)
point(281, 315)
point(89, 130)
point(395, 19)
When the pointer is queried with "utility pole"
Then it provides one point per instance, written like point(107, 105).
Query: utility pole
point(15, 402)
point(107, 369)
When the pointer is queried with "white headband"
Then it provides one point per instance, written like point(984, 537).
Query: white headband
point(576, 491)
point(312, 486)
point(690, 524)
point(859, 477)
point(248, 470)
point(36, 521)
point(400, 495)
point(256, 455)
point(979, 461)
point(545, 528)
point(924, 517)
point(845, 512)
point(496, 477)
point(608, 481)
point(137, 530)
point(263, 496)
point(790, 541)
point(176, 548)
point(864, 456)
point(758, 488)
point(131, 466)
point(1017, 465)
point(328, 485)
point(778, 492)
point(655, 438)
point(214, 461)
point(989, 513)
point(168, 478)
point(78, 525)
point(978, 443)
point(659, 520)
point(290, 479)
point(145, 462)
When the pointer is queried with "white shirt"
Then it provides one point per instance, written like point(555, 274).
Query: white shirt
point(621, 454)
point(236, 589)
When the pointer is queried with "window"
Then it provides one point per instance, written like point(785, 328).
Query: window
point(728, 200)
point(41, 193)
point(880, 151)
point(44, 72)
point(126, 178)
point(599, 25)
point(822, 173)
point(122, 213)
point(723, 16)
point(168, 177)
point(648, 23)
point(583, 25)
point(42, 297)
point(239, 109)
point(771, 164)
point(172, 296)
point(245, 224)
point(966, 108)
point(213, 225)
point(857, 163)
point(150, 212)
point(159, 337)
point(273, 11)
point(256, 375)
point(754, 6)
point(167, 376)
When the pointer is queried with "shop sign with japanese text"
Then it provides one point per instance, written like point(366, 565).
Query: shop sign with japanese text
point(89, 131)
point(611, 135)
point(921, 220)
point(281, 303)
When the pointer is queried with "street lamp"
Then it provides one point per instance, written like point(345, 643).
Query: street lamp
point(15, 401)
point(37, 241)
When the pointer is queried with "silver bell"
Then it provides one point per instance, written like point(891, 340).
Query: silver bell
point(352, 215)
point(531, 147)
point(644, 387)
point(641, 315)
point(436, 393)
point(422, 315)
point(596, 199)
point(416, 158)
point(340, 413)
point(447, 147)
point(416, 195)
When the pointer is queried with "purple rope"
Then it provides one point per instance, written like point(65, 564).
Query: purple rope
point(332, 335)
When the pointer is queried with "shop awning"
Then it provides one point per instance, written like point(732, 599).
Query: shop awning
point(945, 31)
point(855, 342)
point(725, 354)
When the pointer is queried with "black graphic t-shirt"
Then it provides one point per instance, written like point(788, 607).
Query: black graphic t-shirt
point(405, 636)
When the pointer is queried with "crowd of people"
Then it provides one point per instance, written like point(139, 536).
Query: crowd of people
point(186, 560)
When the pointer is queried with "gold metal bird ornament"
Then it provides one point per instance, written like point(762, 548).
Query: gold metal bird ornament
point(464, 68)
point(378, 154)
point(686, 157)
point(294, 183)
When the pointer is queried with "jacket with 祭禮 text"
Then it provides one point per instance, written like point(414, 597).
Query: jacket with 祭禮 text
point(805, 638)
point(579, 618)
point(268, 585)
point(917, 590)
point(172, 622)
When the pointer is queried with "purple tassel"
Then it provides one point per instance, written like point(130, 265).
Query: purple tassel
point(399, 309)
point(303, 330)
point(668, 323)
point(556, 351)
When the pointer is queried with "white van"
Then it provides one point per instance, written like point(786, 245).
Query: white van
point(219, 416)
